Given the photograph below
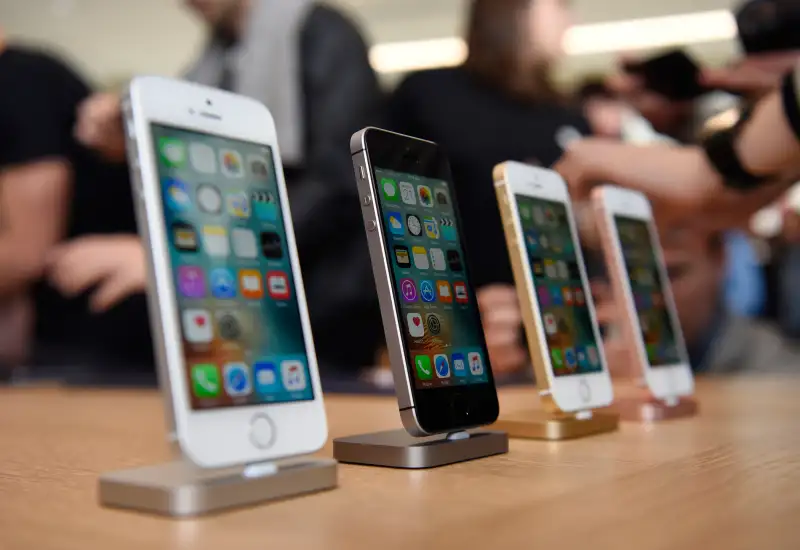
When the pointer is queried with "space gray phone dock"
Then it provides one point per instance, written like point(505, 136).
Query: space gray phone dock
point(182, 489)
point(399, 449)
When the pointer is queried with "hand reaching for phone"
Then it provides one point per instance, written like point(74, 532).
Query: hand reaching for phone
point(99, 126)
point(502, 325)
point(113, 265)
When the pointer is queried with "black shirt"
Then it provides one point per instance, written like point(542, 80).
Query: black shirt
point(39, 97)
point(479, 127)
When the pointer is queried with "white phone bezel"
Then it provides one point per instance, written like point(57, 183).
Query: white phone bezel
point(666, 381)
point(214, 437)
point(540, 183)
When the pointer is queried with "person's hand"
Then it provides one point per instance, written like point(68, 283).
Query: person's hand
point(678, 180)
point(754, 75)
point(99, 125)
point(113, 265)
point(502, 325)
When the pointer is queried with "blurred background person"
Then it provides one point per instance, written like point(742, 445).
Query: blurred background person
point(53, 189)
point(602, 108)
point(499, 105)
point(308, 63)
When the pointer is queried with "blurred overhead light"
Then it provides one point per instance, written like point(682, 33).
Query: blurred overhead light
point(615, 36)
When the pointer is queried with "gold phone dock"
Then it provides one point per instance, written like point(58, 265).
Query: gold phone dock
point(551, 424)
point(399, 449)
point(182, 489)
point(635, 403)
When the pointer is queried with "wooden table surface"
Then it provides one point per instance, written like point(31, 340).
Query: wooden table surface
point(728, 479)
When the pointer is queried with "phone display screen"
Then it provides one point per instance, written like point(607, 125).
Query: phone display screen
point(242, 334)
point(560, 290)
point(439, 315)
point(641, 265)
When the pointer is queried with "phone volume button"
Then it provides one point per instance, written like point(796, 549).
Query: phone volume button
point(366, 200)
point(371, 225)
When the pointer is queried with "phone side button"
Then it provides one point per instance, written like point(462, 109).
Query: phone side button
point(371, 225)
point(366, 200)
point(262, 432)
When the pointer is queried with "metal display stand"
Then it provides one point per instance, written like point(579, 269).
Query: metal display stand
point(549, 423)
point(181, 489)
point(398, 449)
point(646, 408)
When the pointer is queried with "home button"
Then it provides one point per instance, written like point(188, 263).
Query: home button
point(585, 391)
point(262, 431)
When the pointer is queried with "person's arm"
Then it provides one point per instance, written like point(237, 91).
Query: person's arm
point(33, 199)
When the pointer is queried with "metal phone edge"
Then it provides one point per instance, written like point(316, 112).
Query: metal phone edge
point(379, 255)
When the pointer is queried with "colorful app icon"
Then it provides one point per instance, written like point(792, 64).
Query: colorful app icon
point(415, 327)
point(244, 243)
point(271, 245)
point(582, 357)
point(229, 325)
point(544, 242)
point(442, 365)
point(550, 269)
point(557, 359)
point(550, 324)
point(278, 285)
point(442, 198)
point(544, 296)
point(557, 296)
point(265, 374)
point(237, 380)
point(569, 299)
point(177, 195)
point(594, 357)
point(258, 166)
point(532, 240)
point(408, 289)
point(538, 268)
point(437, 259)
point(431, 227)
point(422, 363)
point(525, 212)
point(433, 323)
point(402, 257)
point(448, 228)
point(425, 196)
point(652, 352)
point(549, 216)
point(223, 284)
point(197, 327)
point(172, 152)
point(454, 260)
point(563, 270)
point(445, 292)
point(184, 237)
point(202, 157)
point(569, 358)
point(389, 188)
point(475, 364)
point(250, 284)
point(420, 257)
point(580, 298)
point(191, 281)
point(414, 225)
point(293, 374)
point(238, 205)
point(231, 162)
point(459, 365)
point(427, 291)
point(265, 205)
point(209, 199)
point(205, 381)
point(460, 291)
point(407, 193)
point(538, 215)
point(395, 222)
point(215, 241)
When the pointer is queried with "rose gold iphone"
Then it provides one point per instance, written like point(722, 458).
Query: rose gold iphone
point(639, 279)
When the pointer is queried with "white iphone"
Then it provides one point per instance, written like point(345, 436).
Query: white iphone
point(232, 333)
point(639, 278)
point(557, 308)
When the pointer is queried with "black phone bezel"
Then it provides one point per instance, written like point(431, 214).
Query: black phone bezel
point(437, 409)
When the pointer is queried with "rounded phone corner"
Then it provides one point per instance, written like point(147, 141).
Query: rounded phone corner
point(499, 173)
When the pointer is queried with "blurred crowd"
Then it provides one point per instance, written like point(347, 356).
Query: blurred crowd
point(72, 268)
